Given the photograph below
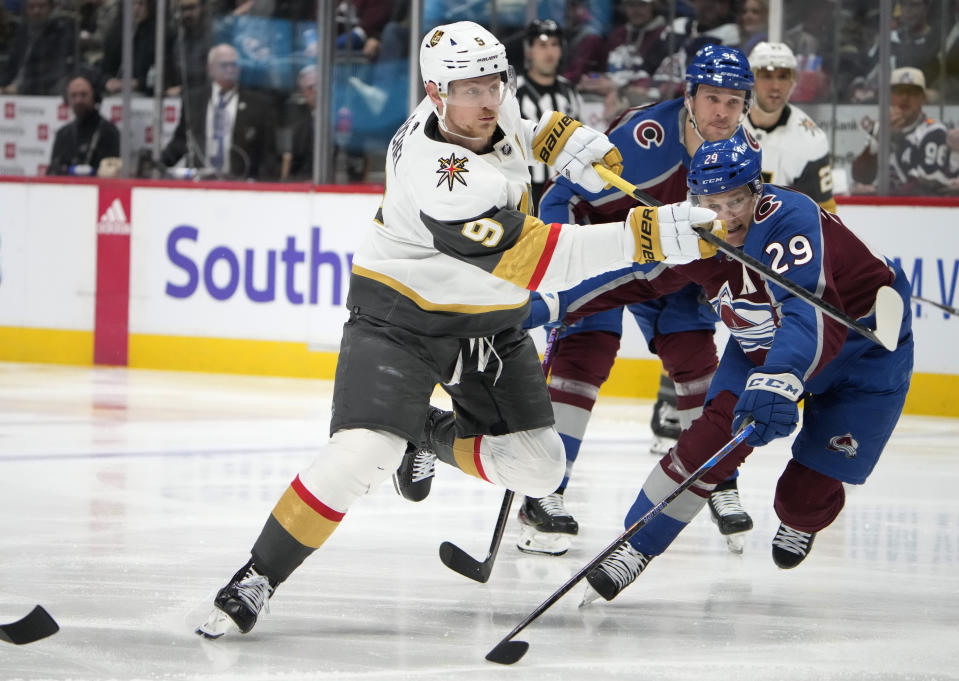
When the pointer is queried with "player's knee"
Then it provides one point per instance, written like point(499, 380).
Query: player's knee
point(353, 463)
point(534, 463)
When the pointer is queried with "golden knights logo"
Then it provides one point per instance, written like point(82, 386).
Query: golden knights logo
point(434, 41)
point(452, 170)
point(846, 444)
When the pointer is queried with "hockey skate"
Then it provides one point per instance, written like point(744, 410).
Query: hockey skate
point(546, 526)
point(414, 477)
point(726, 510)
point(238, 604)
point(665, 427)
point(615, 573)
point(790, 547)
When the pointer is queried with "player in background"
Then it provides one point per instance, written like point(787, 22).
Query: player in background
point(921, 160)
point(781, 350)
point(540, 89)
point(656, 142)
point(438, 293)
point(795, 150)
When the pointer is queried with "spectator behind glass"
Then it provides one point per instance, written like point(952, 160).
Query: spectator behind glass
point(41, 54)
point(913, 43)
point(920, 159)
point(95, 18)
point(753, 23)
point(88, 140)
point(188, 44)
point(360, 26)
point(713, 22)
point(586, 49)
point(301, 157)
point(144, 40)
point(636, 49)
point(540, 89)
point(950, 81)
point(225, 130)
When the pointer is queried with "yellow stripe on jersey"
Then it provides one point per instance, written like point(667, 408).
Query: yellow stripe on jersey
point(519, 264)
point(425, 304)
point(466, 454)
point(829, 205)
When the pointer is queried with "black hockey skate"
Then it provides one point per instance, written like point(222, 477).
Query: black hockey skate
point(615, 573)
point(414, 477)
point(238, 604)
point(790, 547)
point(546, 525)
point(726, 510)
point(665, 427)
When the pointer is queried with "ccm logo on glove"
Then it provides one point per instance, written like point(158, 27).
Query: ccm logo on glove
point(786, 385)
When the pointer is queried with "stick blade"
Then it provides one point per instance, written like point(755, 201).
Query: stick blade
point(889, 309)
point(507, 652)
point(457, 560)
point(34, 626)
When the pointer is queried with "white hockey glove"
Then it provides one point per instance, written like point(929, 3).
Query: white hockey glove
point(665, 234)
point(570, 148)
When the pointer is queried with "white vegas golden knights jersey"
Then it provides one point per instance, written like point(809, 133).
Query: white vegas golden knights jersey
point(452, 250)
point(796, 154)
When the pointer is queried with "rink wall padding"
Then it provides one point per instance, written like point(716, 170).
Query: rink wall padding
point(252, 279)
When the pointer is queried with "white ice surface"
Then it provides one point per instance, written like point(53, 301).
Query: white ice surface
point(128, 497)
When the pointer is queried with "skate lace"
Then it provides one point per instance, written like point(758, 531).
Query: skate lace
point(554, 506)
point(624, 565)
point(424, 465)
point(254, 591)
point(792, 540)
point(726, 502)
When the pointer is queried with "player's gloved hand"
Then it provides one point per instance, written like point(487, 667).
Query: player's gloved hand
point(770, 397)
point(545, 309)
point(570, 148)
point(665, 234)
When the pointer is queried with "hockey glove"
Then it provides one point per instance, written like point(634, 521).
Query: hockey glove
point(665, 234)
point(770, 397)
point(570, 148)
point(544, 310)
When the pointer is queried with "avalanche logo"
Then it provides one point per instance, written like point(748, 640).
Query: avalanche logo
point(750, 140)
point(766, 207)
point(452, 169)
point(751, 323)
point(844, 443)
point(649, 134)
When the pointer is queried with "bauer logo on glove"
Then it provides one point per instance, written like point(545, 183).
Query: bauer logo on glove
point(571, 148)
point(666, 234)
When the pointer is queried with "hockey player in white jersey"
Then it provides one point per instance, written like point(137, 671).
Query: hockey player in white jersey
point(438, 293)
point(795, 150)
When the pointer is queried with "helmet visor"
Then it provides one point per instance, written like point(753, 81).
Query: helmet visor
point(485, 91)
point(736, 203)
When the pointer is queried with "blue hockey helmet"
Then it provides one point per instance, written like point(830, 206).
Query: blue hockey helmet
point(723, 165)
point(721, 66)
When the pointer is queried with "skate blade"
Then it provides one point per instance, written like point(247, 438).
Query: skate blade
point(736, 543)
point(589, 595)
point(661, 445)
point(216, 625)
point(543, 543)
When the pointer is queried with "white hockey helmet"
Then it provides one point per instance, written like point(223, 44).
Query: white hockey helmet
point(772, 56)
point(461, 50)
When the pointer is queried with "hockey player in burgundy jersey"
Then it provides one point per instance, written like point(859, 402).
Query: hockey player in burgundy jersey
point(656, 143)
point(782, 349)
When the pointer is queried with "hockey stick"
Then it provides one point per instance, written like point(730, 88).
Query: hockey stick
point(508, 651)
point(35, 625)
point(455, 558)
point(946, 308)
point(888, 305)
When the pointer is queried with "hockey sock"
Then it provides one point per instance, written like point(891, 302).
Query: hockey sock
point(298, 525)
point(807, 500)
point(689, 357)
point(581, 365)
